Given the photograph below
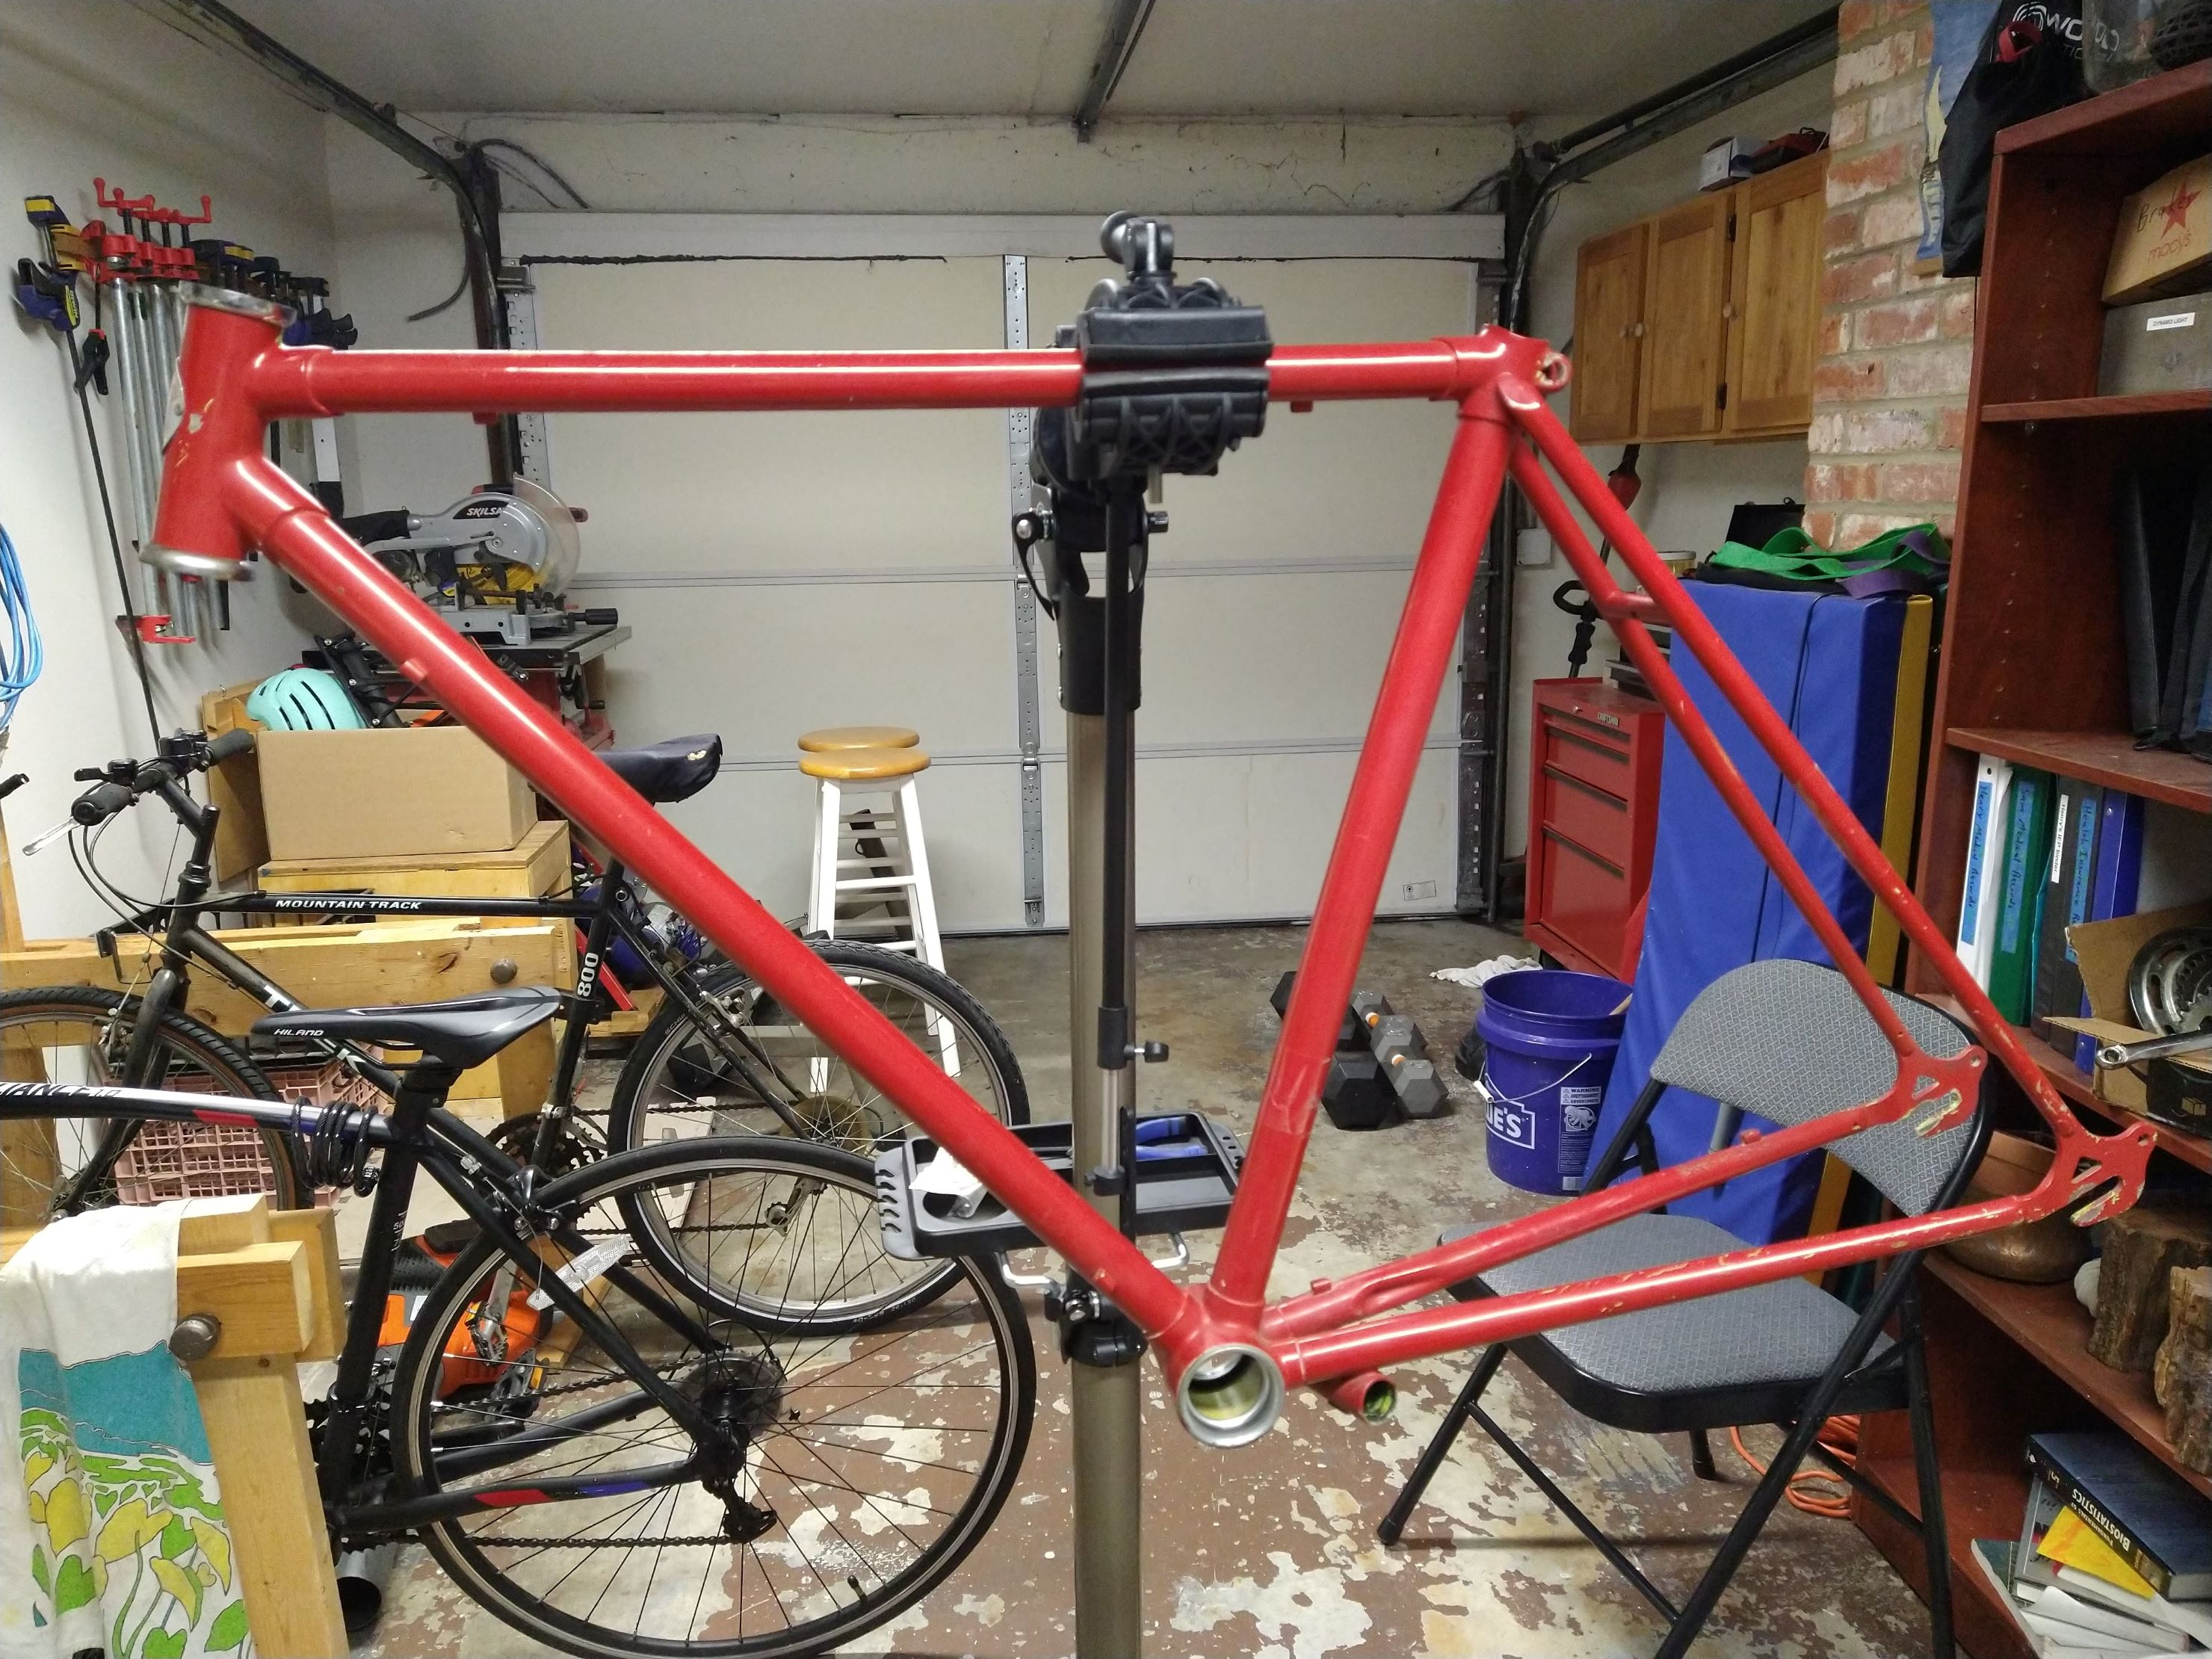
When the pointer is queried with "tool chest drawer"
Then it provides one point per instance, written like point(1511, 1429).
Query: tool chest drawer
point(1592, 818)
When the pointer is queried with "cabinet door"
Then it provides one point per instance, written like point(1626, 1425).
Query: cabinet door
point(1685, 335)
point(1774, 297)
point(1609, 274)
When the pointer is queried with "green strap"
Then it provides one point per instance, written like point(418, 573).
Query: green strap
point(1794, 554)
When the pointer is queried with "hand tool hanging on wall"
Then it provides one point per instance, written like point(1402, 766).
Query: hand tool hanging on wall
point(46, 290)
point(1569, 596)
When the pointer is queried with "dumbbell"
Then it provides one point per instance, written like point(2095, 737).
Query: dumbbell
point(1355, 1094)
point(1404, 1054)
point(1348, 1031)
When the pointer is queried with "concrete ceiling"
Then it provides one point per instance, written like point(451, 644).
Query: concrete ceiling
point(1016, 58)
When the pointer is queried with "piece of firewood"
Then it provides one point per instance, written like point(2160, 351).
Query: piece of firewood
point(2142, 1247)
point(2182, 1378)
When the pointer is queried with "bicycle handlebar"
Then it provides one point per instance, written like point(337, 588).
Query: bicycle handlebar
point(122, 782)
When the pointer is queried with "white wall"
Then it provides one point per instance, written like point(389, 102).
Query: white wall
point(99, 87)
point(1688, 488)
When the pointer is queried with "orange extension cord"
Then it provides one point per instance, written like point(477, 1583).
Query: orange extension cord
point(1817, 1491)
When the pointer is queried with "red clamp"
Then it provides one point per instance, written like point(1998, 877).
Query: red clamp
point(156, 630)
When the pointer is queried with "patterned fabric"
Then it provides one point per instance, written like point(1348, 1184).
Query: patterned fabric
point(111, 1532)
point(1790, 1041)
point(1786, 1332)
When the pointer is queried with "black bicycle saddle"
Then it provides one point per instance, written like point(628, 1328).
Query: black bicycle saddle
point(671, 771)
point(463, 1032)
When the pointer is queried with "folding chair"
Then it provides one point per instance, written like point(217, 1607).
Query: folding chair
point(1790, 1041)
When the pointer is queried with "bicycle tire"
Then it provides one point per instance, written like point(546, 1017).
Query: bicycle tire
point(977, 1041)
point(183, 1037)
point(423, 1391)
point(627, 1114)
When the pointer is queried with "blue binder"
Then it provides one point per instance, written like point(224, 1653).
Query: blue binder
point(1829, 664)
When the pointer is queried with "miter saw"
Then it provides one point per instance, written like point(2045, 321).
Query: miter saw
point(492, 565)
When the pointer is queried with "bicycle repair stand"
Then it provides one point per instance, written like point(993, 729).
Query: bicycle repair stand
point(1174, 376)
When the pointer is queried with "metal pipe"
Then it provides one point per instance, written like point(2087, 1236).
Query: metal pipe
point(1813, 28)
point(1114, 50)
point(1106, 1401)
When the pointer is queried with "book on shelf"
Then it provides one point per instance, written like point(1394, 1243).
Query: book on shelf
point(1985, 836)
point(2019, 892)
point(2065, 901)
point(2059, 1624)
point(2153, 1521)
point(2113, 882)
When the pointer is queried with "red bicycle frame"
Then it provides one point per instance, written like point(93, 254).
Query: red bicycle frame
point(1228, 1354)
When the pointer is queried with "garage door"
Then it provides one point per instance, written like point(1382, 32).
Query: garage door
point(791, 570)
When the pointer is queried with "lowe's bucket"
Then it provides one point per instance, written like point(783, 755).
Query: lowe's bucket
point(1549, 1038)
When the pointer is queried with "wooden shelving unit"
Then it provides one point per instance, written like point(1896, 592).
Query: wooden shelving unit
point(2034, 670)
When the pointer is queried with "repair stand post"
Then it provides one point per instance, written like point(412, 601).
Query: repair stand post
point(1106, 1379)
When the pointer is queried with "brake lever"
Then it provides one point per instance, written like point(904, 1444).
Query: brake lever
point(39, 844)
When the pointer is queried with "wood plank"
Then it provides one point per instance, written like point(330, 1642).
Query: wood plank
point(241, 833)
point(535, 867)
point(316, 1232)
point(2117, 406)
point(2161, 111)
point(262, 1294)
point(256, 1431)
point(351, 965)
point(2108, 758)
point(2047, 1321)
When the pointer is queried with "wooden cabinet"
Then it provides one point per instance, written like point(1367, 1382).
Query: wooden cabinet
point(1608, 334)
point(1774, 297)
point(1686, 320)
point(1703, 321)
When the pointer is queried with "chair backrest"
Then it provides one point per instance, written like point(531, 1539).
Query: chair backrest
point(1791, 1042)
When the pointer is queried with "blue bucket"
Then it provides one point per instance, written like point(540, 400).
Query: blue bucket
point(1549, 1037)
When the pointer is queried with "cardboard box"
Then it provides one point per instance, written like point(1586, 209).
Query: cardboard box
point(2104, 949)
point(2164, 243)
point(1716, 166)
point(2160, 345)
point(384, 792)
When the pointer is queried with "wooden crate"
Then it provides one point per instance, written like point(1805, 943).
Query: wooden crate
point(349, 966)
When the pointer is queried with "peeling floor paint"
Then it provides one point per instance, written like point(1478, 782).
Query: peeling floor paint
point(1270, 1550)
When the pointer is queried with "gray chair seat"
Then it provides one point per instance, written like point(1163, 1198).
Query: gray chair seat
point(1738, 1358)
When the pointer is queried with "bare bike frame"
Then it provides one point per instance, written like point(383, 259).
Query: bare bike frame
point(1228, 1353)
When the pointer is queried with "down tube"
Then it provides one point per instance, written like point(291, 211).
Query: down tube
point(301, 537)
point(1428, 630)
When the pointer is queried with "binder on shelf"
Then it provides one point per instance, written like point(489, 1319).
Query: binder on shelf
point(2027, 854)
point(2065, 902)
point(1977, 903)
point(2112, 886)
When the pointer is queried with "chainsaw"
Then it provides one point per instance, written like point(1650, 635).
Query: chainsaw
point(494, 564)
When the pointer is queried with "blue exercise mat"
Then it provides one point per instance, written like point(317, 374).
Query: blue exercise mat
point(1828, 664)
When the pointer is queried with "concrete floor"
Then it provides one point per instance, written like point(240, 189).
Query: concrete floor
point(1270, 1550)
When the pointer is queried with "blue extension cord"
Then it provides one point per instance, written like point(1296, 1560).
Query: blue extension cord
point(23, 653)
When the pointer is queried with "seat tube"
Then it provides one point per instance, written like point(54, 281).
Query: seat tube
point(1428, 634)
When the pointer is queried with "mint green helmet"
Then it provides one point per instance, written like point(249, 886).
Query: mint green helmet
point(304, 700)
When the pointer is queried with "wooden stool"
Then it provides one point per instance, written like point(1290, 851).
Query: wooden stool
point(829, 739)
point(874, 849)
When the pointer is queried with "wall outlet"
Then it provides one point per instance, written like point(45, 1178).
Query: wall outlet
point(1533, 548)
point(1412, 892)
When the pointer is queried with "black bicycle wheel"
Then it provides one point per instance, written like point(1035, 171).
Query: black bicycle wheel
point(688, 1077)
point(765, 1073)
point(81, 1034)
point(873, 1463)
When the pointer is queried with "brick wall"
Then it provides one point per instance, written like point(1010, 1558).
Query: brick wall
point(1890, 387)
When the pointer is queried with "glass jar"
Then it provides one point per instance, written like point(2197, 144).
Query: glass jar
point(2116, 37)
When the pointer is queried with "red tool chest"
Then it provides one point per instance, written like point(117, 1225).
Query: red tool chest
point(1592, 816)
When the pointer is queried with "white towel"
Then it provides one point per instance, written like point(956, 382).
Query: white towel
point(112, 1534)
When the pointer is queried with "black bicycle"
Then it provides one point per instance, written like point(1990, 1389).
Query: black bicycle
point(719, 1056)
point(626, 1418)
